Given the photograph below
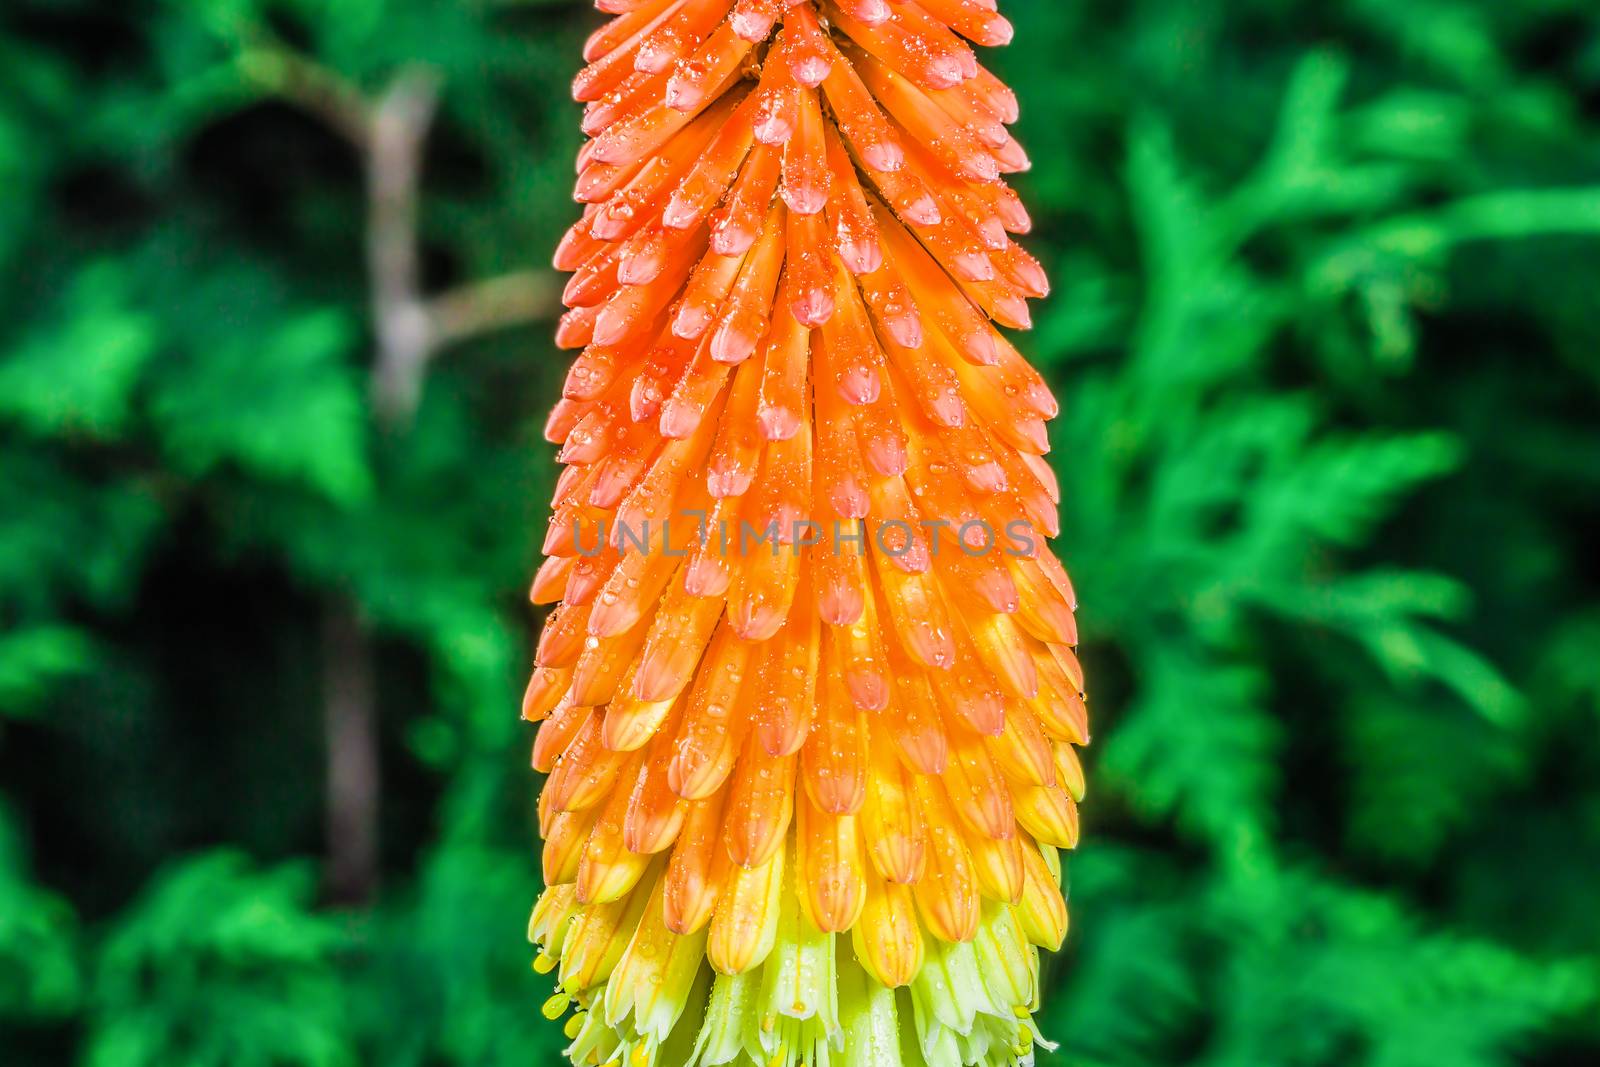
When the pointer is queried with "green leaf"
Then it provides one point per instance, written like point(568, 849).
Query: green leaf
point(283, 407)
point(33, 659)
point(39, 968)
point(75, 373)
point(221, 964)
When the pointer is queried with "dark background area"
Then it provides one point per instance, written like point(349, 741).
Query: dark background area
point(1325, 334)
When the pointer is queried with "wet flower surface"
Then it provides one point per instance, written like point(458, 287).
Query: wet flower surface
point(808, 703)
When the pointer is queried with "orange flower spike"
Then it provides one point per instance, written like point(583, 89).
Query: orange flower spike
point(806, 181)
point(1048, 814)
point(891, 821)
point(916, 613)
point(998, 866)
point(709, 570)
point(808, 52)
point(782, 409)
point(631, 722)
point(566, 834)
point(736, 454)
point(702, 297)
point(927, 125)
point(1069, 771)
point(833, 761)
point(809, 295)
point(831, 868)
point(929, 62)
point(561, 642)
point(639, 202)
point(676, 37)
point(712, 730)
point(899, 321)
point(747, 206)
point(978, 791)
point(977, 22)
point(793, 252)
point(634, 20)
point(556, 733)
point(744, 927)
point(859, 119)
point(546, 686)
point(947, 894)
point(748, 311)
point(839, 568)
point(1023, 753)
point(918, 733)
point(608, 871)
point(698, 868)
point(860, 659)
point(714, 170)
point(1042, 912)
point(785, 685)
point(760, 804)
point(599, 671)
point(656, 814)
point(586, 771)
point(677, 639)
point(855, 233)
point(888, 938)
point(550, 581)
point(702, 76)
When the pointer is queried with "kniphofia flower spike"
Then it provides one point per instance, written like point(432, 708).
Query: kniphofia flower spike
point(809, 704)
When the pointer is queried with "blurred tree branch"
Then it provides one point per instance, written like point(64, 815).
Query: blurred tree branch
point(411, 327)
point(391, 134)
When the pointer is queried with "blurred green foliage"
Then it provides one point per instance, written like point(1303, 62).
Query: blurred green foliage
point(1326, 339)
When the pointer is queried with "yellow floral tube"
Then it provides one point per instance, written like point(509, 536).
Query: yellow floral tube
point(808, 702)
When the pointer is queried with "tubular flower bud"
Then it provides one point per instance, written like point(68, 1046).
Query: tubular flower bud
point(807, 697)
